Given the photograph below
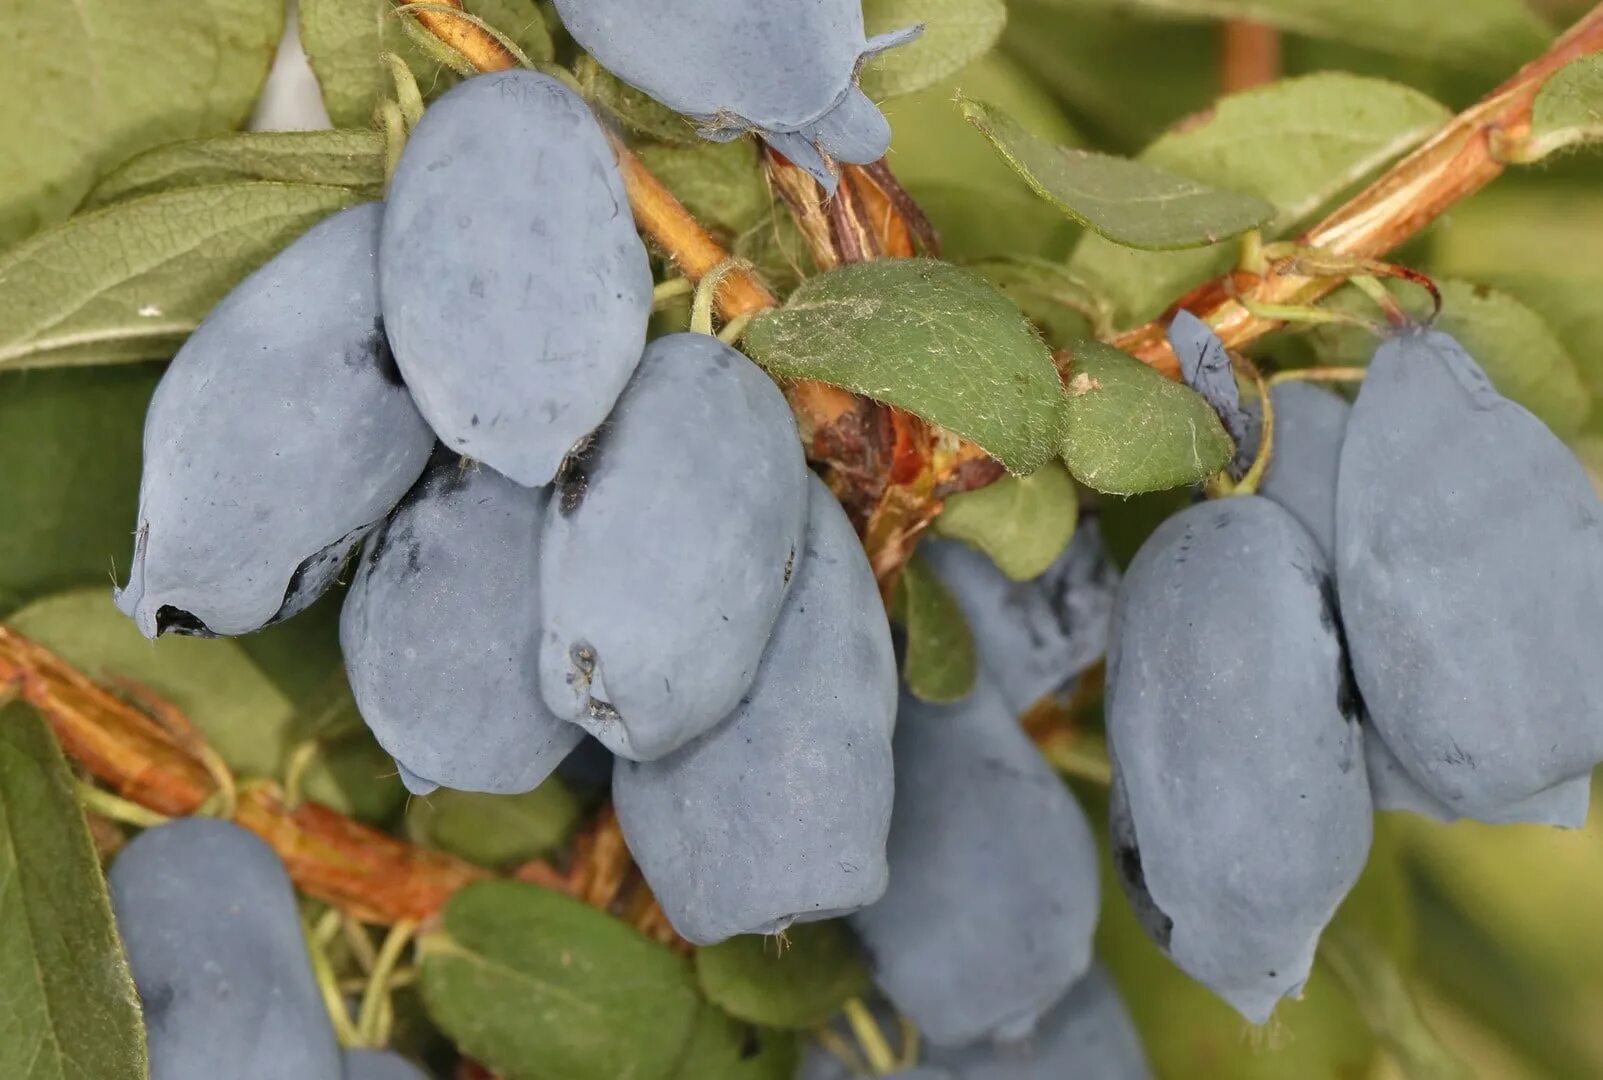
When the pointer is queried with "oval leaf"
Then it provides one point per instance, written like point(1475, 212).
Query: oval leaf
point(1513, 344)
point(1297, 143)
point(71, 1010)
point(1022, 522)
point(97, 80)
point(495, 830)
point(129, 282)
point(723, 1048)
point(539, 986)
point(930, 338)
point(938, 661)
point(69, 452)
point(348, 159)
point(798, 981)
point(1132, 430)
point(955, 32)
point(1568, 110)
point(1128, 202)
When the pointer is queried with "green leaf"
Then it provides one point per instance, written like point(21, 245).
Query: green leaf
point(71, 1012)
point(1479, 34)
point(1516, 348)
point(93, 82)
point(722, 1048)
point(1022, 522)
point(1055, 301)
point(69, 452)
point(130, 281)
point(539, 986)
point(348, 159)
point(1128, 202)
point(1568, 110)
point(230, 702)
point(343, 40)
point(979, 205)
point(938, 663)
point(799, 980)
point(955, 32)
point(355, 776)
point(1298, 143)
point(721, 184)
point(495, 830)
point(1132, 430)
point(632, 108)
point(927, 337)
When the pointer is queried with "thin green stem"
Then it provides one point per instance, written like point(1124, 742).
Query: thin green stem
point(706, 290)
point(370, 1019)
point(734, 328)
point(115, 807)
point(388, 116)
point(328, 987)
point(878, 1052)
point(1319, 374)
point(666, 292)
point(1266, 439)
point(407, 94)
point(300, 759)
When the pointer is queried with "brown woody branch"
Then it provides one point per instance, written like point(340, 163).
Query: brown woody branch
point(1465, 156)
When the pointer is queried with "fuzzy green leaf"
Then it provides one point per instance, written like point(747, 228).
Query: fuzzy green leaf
point(71, 1012)
point(1128, 202)
point(90, 83)
point(348, 159)
point(495, 830)
point(1022, 522)
point(69, 452)
point(1568, 110)
point(979, 205)
point(632, 108)
point(539, 986)
point(930, 338)
point(1132, 430)
point(130, 281)
point(1298, 143)
point(797, 982)
point(231, 703)
point(939, 662)
point(1513, 344)
point(955, 32)
point(723, 1048)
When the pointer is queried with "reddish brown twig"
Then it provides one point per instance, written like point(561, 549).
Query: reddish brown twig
point(1458, 161)
point(1249, 55)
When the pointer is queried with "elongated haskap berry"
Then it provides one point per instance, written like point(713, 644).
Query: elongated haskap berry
point(279, 434)
point(439, 632)
point(1087, 1036)
point(987, 920)
point(786, 70)
point(1564, 804)
point(1310, 423)
point(1241, 812)
point(1470, 556)
point(1034, 637)
point(516, 291)
point(380, 1065)
point(207, 916)
point(779, 814)
point(668, 548)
